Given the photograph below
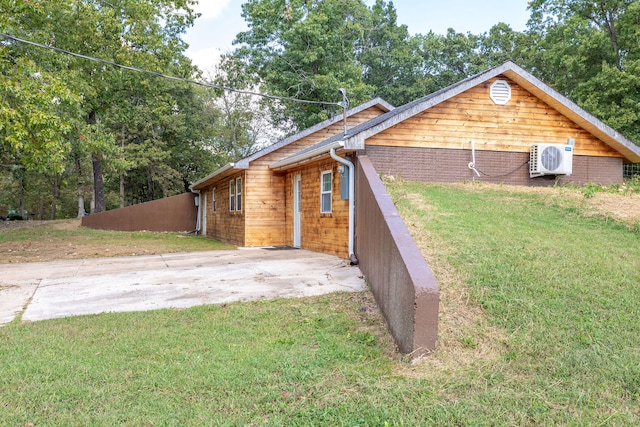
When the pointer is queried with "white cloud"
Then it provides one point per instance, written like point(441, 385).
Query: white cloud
point(206, 59)
point(211, 9)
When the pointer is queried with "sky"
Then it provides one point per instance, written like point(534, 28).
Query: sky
point(221, 20)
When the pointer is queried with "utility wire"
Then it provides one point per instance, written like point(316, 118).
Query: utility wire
point(164, 76)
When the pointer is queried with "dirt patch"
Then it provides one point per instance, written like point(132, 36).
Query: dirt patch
point(75, 246)
point(68, 225)
point(12, 225)
point(619, 207)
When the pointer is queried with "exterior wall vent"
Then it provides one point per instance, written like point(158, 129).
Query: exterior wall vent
point(500, 92)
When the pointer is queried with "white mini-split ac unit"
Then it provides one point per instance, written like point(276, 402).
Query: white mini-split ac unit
point(550, 159)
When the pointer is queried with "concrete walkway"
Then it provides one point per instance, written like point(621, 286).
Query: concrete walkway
point(68, 288)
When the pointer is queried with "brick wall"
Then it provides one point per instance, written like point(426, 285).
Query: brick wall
point(447, 165)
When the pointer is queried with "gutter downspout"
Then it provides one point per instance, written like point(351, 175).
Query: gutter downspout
point(198, 195)
point(347, 163)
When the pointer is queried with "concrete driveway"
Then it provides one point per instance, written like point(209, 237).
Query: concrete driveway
point(68, 288)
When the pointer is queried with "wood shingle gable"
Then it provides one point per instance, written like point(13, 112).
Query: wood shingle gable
point(356, 137)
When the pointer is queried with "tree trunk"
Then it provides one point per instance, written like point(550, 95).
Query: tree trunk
point(122, 190)
point(122, 174)
point(98, 184)
point(80, 187)
point(150, 186)
point(100, 204)
point(55, 195)
point(22, 212)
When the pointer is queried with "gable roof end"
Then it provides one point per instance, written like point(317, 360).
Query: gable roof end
point(571, 110)
point(356, 136)
point(244, 162)
point(384, 105)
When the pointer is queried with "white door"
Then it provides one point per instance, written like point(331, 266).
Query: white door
point(297, 209)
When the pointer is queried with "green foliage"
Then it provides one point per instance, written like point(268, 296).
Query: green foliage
point(588, 50)
point(307, 50)
point(61, 115)
point(629, 187)
point(240, 122)
point(391, 58)
point(37, 115)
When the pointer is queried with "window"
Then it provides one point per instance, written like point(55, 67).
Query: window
point(238, 194)
point(213, 199)
point(325, 192)
point(232, 195)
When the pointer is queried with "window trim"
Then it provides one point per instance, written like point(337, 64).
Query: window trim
point(213, 199)
point(232, 195)
point(239, 194)
point(324, 192)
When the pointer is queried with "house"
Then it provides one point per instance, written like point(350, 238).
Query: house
point(502, 125)
point(250, 202)
point(320, 189)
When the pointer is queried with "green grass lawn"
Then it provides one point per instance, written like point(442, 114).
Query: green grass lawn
point(66, 239)
point(540, 325)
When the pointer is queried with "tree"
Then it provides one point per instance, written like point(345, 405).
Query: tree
point(145, 34)
point(305, 49)
point(62, 114)
point(310, 48)
point(241, 123)
point(391, 58)
point(588, 50)
point(37, 113)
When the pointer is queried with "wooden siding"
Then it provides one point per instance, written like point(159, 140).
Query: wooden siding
point(472, 116)
point(223, 224)
point(327, 233)
point(268, 196)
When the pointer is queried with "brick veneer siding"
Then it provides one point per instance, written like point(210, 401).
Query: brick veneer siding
point(446, 165)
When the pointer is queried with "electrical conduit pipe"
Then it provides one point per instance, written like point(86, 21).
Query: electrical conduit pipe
point(199, 202)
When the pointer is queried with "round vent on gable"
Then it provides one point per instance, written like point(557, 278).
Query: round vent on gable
point(500, 92)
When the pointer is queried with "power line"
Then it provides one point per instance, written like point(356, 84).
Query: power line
point(164, 76)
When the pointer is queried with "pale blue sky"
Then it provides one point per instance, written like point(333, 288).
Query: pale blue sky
point(221, 21)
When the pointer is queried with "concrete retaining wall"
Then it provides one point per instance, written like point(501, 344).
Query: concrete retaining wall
point(401, 281)
point(177, 213)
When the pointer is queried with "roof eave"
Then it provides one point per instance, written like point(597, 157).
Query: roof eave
point(608, 135)
point(571, 110)
point(305, 156)
point(200, 184)
point(384, 105)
